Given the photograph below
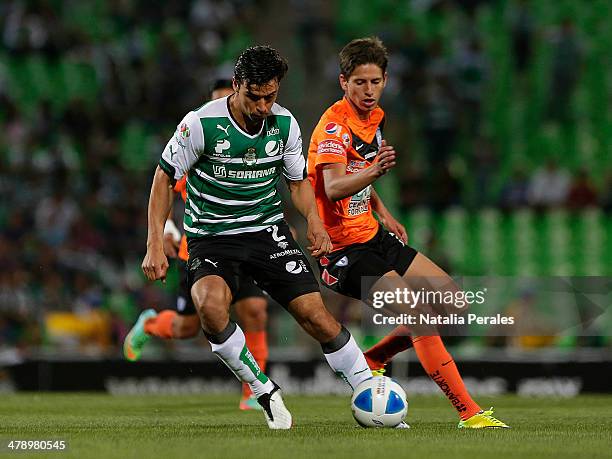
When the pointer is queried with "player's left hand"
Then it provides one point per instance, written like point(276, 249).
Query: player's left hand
point(385, 159)
point(320, 243)
point(395, 227)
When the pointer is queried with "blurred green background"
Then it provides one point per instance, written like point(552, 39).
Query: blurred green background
point(500, 111)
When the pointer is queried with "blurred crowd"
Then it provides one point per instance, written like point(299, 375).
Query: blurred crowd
point(90, 91)
point(73, 217)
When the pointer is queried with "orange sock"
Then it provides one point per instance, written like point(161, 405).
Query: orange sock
point(382, 352)
point(257, 342)
point(441, 368)
point(161, 325)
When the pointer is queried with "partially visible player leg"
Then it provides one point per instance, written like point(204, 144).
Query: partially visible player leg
point(183, 323)
point(252, 314)
point(137, 338)
point(346, 271)
point(340, 349)
point(168, 324)
point(289, 280)
point(382, 259)
point(382, 352)
point(212, 297)
point(436, 360)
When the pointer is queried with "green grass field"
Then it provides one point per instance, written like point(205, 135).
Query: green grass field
point(97, 425)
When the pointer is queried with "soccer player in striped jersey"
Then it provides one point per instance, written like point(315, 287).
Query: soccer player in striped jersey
point(250, 303)
point(347, 154)
point(234, 150)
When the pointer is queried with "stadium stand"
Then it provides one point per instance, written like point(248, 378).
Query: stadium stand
point(90, 91)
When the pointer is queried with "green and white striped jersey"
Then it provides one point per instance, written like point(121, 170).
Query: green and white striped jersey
point(232, 175)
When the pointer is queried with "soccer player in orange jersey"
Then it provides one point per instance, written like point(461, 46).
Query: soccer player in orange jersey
point(347, 154)
point(250, 303)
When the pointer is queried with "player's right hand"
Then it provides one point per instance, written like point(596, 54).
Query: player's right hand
point(320, 242)
point(155, 264)
point(385, 159)
point(171, 247)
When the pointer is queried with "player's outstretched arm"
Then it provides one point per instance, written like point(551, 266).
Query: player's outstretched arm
point(303, 199)
point(386, 218)
point(339, 185)
point(155, 263)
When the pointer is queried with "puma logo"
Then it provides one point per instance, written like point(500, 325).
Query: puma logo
point(214, 263)
point(224, 129)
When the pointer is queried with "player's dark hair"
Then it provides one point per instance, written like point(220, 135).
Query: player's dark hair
point(258, 65)
point(363, 51)
point(220, 83)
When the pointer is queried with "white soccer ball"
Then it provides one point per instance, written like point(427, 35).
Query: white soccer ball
point(379, 402)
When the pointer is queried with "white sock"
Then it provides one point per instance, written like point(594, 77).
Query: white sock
point(349, 363)
point(234, 353)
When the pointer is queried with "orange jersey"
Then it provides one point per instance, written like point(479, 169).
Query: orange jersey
point(341, 137)
point(181, 187)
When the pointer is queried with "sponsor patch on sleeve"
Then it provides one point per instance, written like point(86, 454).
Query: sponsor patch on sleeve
point(184, 130)
point(332, 147)
point(331, 128)
point(346, 139)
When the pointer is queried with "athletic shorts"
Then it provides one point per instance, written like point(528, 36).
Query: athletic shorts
point(271, 257)
point(342, 270)
point(184, 303)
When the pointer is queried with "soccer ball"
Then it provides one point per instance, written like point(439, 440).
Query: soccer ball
point(379, 402)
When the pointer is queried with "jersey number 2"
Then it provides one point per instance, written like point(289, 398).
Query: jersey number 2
point(275, 236)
